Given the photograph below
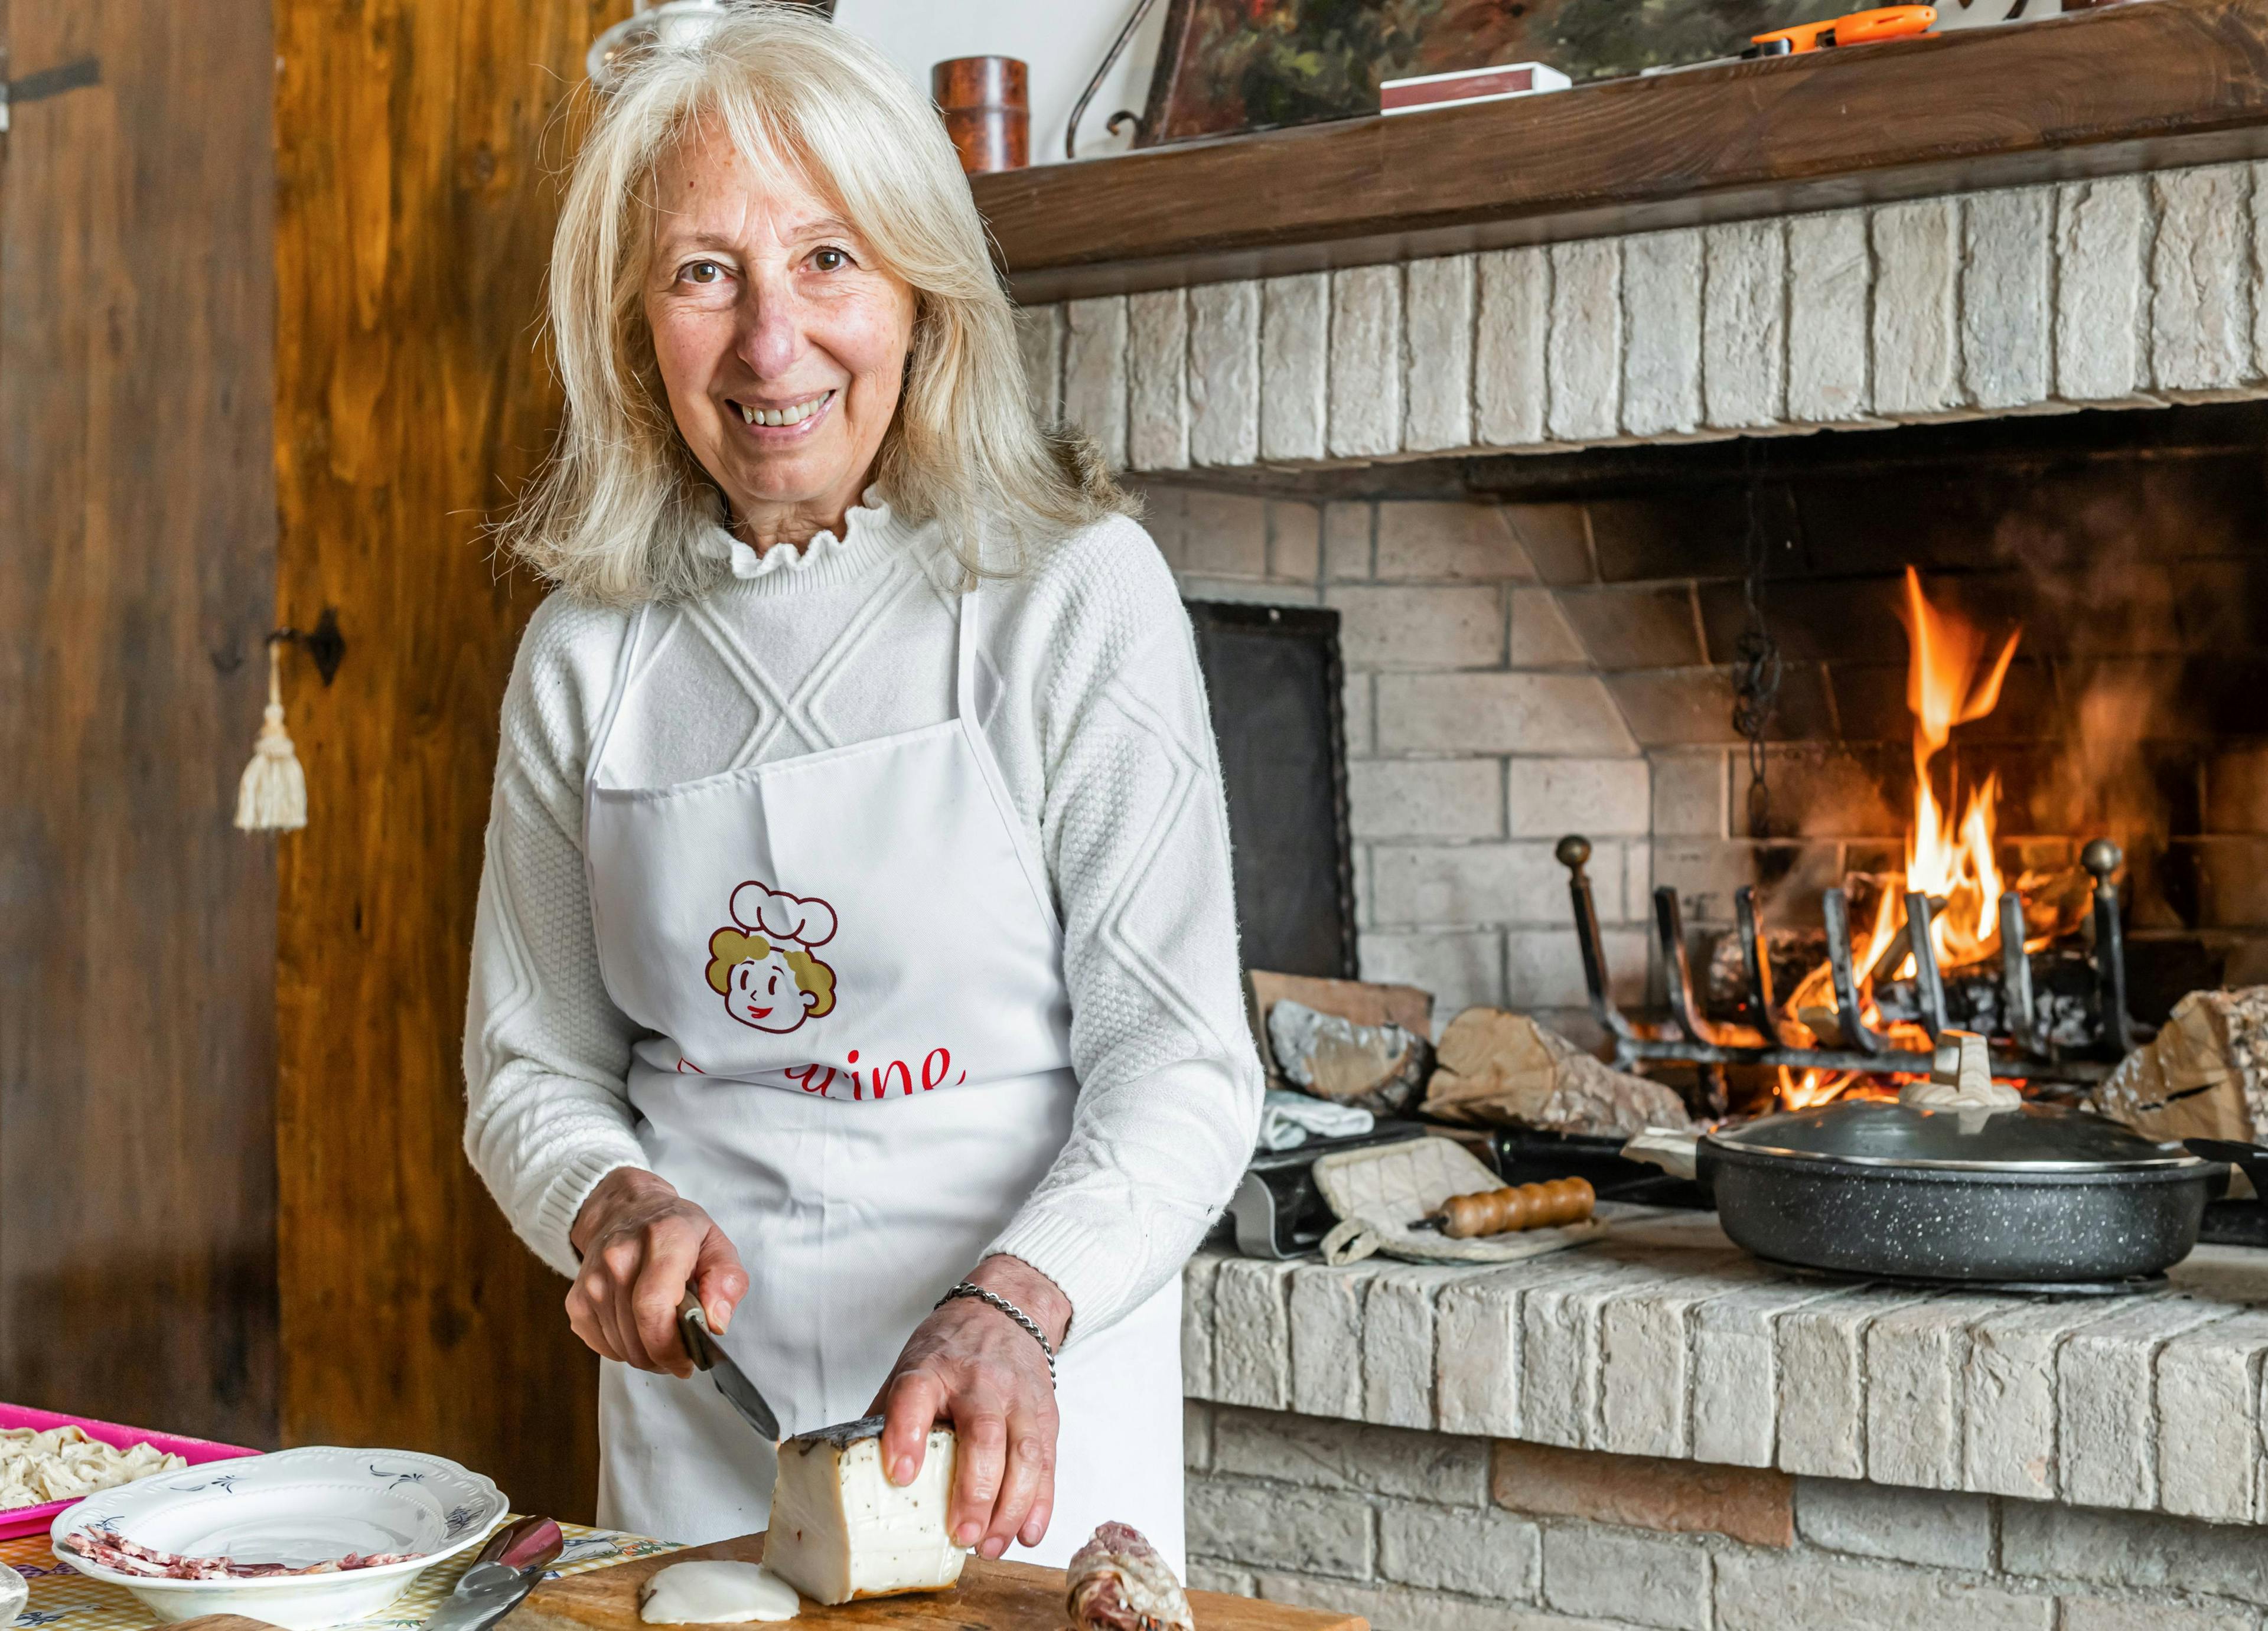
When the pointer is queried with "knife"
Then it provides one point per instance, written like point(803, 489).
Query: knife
point(506, 1570)
point(732, 1381)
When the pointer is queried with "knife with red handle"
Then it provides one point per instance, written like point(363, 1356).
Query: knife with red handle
point(506, 1570)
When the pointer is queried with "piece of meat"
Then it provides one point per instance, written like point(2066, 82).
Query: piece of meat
point(128, 1557)
point(1118, 1582)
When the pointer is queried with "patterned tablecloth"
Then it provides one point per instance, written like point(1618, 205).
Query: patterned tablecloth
point(60, 1596)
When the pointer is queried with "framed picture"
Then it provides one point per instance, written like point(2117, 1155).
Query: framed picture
point(1225, 66)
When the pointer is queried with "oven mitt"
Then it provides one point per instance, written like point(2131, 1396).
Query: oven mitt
point(1378, 1192)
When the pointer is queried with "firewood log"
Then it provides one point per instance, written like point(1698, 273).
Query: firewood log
point(2205, 1075)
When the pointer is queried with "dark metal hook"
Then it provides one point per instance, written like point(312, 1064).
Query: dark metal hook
point(323, 642)
point(1123, 115)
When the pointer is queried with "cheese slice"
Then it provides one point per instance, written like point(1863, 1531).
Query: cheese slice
point(703, 1593)
point(841, 1530)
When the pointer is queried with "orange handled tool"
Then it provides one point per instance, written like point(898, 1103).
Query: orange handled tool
point(1500, 1211)
point(1889, 22)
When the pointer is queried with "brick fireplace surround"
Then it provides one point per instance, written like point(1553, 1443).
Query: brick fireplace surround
point(1536, 663)
point(1657, 1430)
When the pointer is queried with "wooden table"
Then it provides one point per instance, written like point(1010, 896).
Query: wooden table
point(991, 1597)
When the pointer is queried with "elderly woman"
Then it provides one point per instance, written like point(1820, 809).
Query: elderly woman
point(856, 946)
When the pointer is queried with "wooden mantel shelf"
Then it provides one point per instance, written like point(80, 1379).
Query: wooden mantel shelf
point(2145, 84)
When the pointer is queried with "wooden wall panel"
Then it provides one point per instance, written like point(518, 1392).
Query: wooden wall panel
point(421, 142)
point(136, 579)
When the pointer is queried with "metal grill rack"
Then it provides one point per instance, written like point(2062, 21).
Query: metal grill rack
point(2023, 1048)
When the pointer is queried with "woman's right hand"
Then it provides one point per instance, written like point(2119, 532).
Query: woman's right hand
point(642, 1244)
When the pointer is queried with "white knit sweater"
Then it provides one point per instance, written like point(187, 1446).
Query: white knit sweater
point(1089, 694)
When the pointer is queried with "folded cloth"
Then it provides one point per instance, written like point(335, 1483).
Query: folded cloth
point(1381, 1191)
point(1287, 1119)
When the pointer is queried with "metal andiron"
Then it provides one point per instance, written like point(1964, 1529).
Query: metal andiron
point(2028, 1041)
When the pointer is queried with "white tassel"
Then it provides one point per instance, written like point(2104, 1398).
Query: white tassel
point(273, 795)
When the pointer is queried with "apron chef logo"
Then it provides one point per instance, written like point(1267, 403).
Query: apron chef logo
point(762, 966)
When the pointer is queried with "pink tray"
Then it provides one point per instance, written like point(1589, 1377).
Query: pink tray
point(30, 1520)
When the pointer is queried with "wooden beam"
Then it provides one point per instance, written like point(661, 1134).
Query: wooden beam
point(2107, 91)
point(138, 1187)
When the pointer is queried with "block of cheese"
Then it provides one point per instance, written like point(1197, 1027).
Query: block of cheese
point(840, 1529)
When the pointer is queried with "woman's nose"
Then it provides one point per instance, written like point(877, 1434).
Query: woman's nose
point(771, 334)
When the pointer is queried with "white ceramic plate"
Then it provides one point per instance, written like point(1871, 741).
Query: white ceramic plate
point(14, 1588)
point(296, 1507)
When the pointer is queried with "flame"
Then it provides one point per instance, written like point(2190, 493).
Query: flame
point(1949, 683)
point(1948, 861)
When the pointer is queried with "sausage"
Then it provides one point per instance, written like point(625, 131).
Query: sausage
point(1118, 1582)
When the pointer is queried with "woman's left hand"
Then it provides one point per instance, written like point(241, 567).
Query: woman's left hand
point(971, 1365)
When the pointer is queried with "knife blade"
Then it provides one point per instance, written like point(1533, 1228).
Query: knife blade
point(506, 1570)
point(731, 1380)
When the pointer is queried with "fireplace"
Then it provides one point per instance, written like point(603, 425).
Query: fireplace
point(1537, 647)
point(1634, 472)
point(1540, 647)
point(2050, 395)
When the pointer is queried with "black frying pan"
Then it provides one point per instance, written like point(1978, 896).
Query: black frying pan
point(2035, 1195)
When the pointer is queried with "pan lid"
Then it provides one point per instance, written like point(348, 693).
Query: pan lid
point(2029, 1137)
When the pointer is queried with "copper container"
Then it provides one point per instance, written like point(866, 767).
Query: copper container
point(987, 111)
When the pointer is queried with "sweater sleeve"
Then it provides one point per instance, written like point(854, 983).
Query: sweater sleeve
point(546, 1050)
point(1135, 834)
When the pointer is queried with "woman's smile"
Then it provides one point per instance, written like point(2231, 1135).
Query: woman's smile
point(773, 425)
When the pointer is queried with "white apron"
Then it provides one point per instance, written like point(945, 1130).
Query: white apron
point(860, 1067)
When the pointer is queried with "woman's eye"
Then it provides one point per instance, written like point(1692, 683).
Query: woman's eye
point(830, 259)
point(702, 272)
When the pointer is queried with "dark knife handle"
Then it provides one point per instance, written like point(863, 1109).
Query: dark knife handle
point(693, 1331)
point(523, 1544)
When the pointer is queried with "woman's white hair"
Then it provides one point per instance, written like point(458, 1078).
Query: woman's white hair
point(619, 513)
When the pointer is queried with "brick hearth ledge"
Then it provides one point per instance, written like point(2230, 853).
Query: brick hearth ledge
point(1658, 1430)
point(1667, 1340)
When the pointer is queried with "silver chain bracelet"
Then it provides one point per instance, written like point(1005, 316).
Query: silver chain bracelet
point(994, 1299)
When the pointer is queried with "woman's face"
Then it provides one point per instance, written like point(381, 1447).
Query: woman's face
point(783, 345)
point(765, 994)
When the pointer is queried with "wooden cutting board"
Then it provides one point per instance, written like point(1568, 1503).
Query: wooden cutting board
point(991, 1597)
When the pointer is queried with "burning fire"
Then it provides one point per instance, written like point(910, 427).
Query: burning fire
point(1949, 681)
point(1948, 685)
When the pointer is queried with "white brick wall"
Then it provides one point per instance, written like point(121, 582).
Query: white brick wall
point(1668, 1342)
point(1295, 349)
point(1408, 1525)
point(2136, 288)
point(1401, 1528)
point(1094, 372)
point(1510, 334)
point(1158, 380)
point(1661, 325)
point(1224, 364)
point(1477, 734)
point(1744, 339)
point(1437, 354)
